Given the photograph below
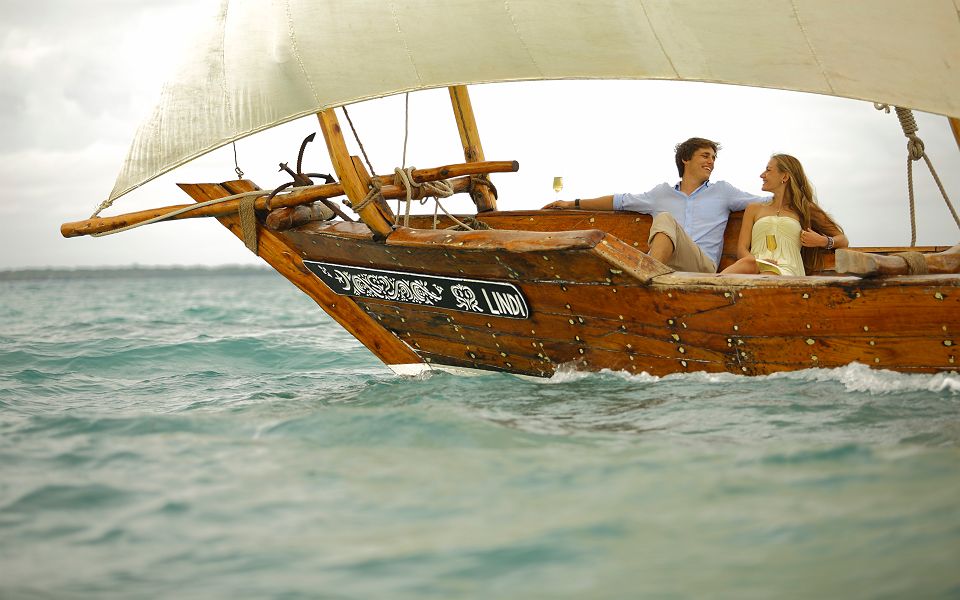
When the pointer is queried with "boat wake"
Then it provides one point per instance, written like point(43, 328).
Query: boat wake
point(855, 377)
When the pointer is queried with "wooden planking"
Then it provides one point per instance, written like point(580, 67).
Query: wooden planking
point(588, 311)
point(733, 329)
point(659, 343)
point(283, 258)
point(550, 340)
point(593, 348)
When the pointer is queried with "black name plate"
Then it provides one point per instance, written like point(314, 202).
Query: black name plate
point(492, 298)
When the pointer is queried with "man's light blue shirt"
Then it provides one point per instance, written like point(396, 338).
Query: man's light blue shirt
point(703, 214)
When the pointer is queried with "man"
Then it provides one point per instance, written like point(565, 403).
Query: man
point(689, 218)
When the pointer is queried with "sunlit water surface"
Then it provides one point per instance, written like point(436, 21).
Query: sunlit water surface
point(218, 436)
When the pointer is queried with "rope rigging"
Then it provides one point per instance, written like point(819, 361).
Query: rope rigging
point(916, 151)
point(403, 175)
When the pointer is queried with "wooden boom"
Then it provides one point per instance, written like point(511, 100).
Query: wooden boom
point(294, 198)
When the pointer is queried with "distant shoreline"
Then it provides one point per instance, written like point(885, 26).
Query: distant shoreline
point(132, 271)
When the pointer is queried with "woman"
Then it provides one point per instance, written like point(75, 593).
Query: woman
point(786, 236)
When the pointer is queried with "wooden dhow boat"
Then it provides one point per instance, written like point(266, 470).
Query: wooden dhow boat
point(528, 292)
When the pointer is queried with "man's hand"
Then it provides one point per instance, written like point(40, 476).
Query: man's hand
point(559, 204)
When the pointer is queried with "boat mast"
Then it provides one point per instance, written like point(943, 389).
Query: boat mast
point(354, 178)
point(472, 150)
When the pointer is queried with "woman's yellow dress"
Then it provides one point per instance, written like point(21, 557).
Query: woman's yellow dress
point(777, 239)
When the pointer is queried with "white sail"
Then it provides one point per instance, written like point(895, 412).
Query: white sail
point(266, 63)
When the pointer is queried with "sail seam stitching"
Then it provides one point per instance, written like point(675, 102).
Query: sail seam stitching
point(291, 32)
point(656, 36)
point(516, 30)
point(813, 52)
point(403, 40)
point(223, 65)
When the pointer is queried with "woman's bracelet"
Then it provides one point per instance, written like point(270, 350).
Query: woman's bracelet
point(829, 243)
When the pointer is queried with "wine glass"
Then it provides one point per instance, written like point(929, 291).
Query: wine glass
point(557, 185)
point(771, 243)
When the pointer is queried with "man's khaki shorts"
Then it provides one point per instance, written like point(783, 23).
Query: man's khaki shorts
point(687, 255)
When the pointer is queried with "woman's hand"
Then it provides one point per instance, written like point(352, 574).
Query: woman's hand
point(559, 204)
point(811, 239)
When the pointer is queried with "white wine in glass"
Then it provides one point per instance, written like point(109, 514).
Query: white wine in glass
point(557, 184)
point(771, 242)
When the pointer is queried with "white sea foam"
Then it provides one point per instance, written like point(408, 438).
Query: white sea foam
point(857, 377)
point(567, 373)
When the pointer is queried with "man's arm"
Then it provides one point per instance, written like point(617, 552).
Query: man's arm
point(601, 203)
point(738, 199)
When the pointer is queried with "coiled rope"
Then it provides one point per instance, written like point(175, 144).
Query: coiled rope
point(916, 151)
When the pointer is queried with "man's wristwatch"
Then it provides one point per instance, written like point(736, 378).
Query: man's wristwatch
point(576, 203)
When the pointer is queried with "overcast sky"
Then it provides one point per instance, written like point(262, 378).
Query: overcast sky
point(79, 76)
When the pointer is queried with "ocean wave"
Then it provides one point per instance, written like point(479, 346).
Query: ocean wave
point(857, 377)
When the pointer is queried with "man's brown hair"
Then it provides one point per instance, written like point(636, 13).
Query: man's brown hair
point(686, 149)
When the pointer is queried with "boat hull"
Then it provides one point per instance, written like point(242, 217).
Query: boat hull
point(587, 309)
point(592, 300)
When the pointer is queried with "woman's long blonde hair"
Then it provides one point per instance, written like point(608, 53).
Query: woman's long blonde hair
point(800, 198)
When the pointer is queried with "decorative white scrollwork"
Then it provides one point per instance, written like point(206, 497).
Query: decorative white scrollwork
point(494, 298)
point(465, 298)
point(389, 288)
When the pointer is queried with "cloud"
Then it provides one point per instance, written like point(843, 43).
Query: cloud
point(78, 76)
point(74, 72)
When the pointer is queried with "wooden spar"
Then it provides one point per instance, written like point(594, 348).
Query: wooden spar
point(294, 198)
point(470, 138)
point(367, 181)
point(379, 222)
point(283, 258)
point(955, 126)
point(866, 264)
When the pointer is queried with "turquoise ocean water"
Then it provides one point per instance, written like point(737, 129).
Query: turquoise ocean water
point(206, 434)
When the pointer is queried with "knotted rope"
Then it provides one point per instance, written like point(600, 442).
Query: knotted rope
point(372, 195)
point(422, 192)
point(916, 151)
